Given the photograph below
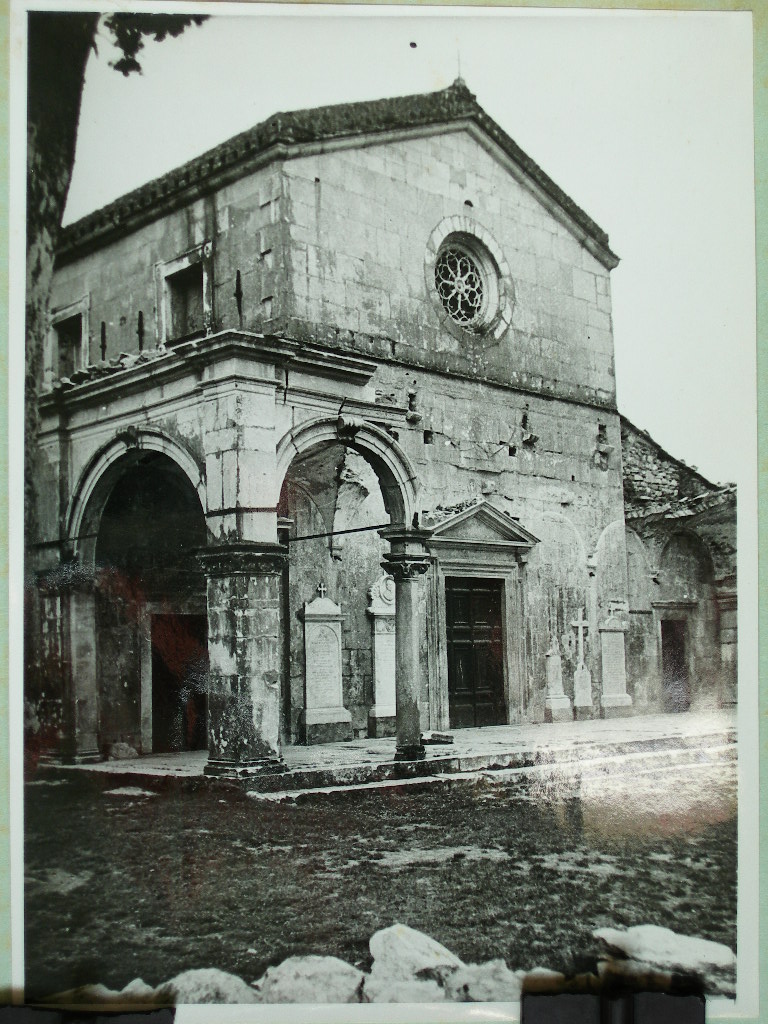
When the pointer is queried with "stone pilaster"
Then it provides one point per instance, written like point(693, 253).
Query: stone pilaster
point(80, 703)
point(245, 651)
point(407, 562)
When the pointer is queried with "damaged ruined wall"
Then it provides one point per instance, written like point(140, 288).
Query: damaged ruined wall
point(653, 476)
point(682, 566)
point(538, 461)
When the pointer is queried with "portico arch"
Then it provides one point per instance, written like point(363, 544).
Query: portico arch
point(137, 621)
point(102, 472)
point(307, 446)
point(397, 477)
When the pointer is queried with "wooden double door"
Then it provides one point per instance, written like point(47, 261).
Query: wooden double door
point(476, 692)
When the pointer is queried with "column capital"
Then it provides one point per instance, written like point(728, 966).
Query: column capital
point(407, 557)
point(243, 559)
point(405, 566)
point(67, 576)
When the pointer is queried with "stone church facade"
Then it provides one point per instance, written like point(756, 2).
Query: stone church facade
point(329, 448)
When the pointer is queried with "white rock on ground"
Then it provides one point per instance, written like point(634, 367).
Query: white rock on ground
point(122, 752)
point(383, 989)
point(311, 979)
point(136, 991)
point(662, 947)
point(492, 982)
point(206, 985)
point(129, 791)
point(400, 952)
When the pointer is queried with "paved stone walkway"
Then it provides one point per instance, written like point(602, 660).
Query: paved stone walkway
point(472, 749)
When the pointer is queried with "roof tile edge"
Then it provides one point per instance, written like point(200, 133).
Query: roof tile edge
point(319, 124)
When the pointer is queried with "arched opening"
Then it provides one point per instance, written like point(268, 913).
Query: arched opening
point(151, 629)
point(331, 508)
point(688, 626)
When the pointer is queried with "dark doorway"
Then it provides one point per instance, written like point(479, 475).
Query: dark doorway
point(676, 690)
point(179, 683)
point(150, 527)
point(475, 653)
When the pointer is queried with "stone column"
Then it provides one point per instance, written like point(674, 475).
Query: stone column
point(614, 697)
point(406, 562)
point(245, 651)
point(81, 697)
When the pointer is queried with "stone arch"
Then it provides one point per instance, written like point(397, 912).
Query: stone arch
point(685, 545)
point(610, 559)
point(102, 472)
point(396, 475)
point(638, 573)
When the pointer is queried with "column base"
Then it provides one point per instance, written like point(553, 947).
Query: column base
point(83, 757)
point(616, 705)
point(410, 752)
point(325, 725)
point(584, 713)
point(382, 722)
point(243, 769)
point(558, 709)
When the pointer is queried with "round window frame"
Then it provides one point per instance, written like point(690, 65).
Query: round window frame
point(466, 235)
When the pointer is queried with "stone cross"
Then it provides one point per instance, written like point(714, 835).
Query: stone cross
point(322, 589)
point(581, 625)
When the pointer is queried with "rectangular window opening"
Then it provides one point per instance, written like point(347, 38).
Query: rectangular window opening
point(185, 303)
point(69, 341)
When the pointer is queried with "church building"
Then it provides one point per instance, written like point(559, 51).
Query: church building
point(329, 448)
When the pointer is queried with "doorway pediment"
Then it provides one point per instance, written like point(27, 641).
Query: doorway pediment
point(480, 526)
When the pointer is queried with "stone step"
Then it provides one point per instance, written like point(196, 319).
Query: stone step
point(583, 758)
point(680, 750)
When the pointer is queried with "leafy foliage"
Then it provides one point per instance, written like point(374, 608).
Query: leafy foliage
point(129, 31)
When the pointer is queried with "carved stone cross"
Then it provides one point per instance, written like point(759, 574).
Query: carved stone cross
point(322, 589)
point(581, 625)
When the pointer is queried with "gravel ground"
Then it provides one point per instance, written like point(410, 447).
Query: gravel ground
point(123, 883)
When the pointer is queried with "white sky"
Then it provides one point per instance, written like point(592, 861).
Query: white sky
point(645, 120)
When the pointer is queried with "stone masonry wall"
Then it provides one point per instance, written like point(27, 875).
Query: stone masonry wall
point(360, 221)
point(243, 222)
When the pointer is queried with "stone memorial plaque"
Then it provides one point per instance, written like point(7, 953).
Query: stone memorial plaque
point(381, 717)
point(582, 687)
point(324, 719)
point(557, 706)
point(323, 665)
point(612, 659)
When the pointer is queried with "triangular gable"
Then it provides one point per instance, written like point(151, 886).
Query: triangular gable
point(288, 134)
point(482, 525)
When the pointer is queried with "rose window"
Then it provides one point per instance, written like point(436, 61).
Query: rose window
point(459, 283)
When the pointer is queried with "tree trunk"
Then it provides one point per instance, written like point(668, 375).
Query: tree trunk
point(58, 49)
